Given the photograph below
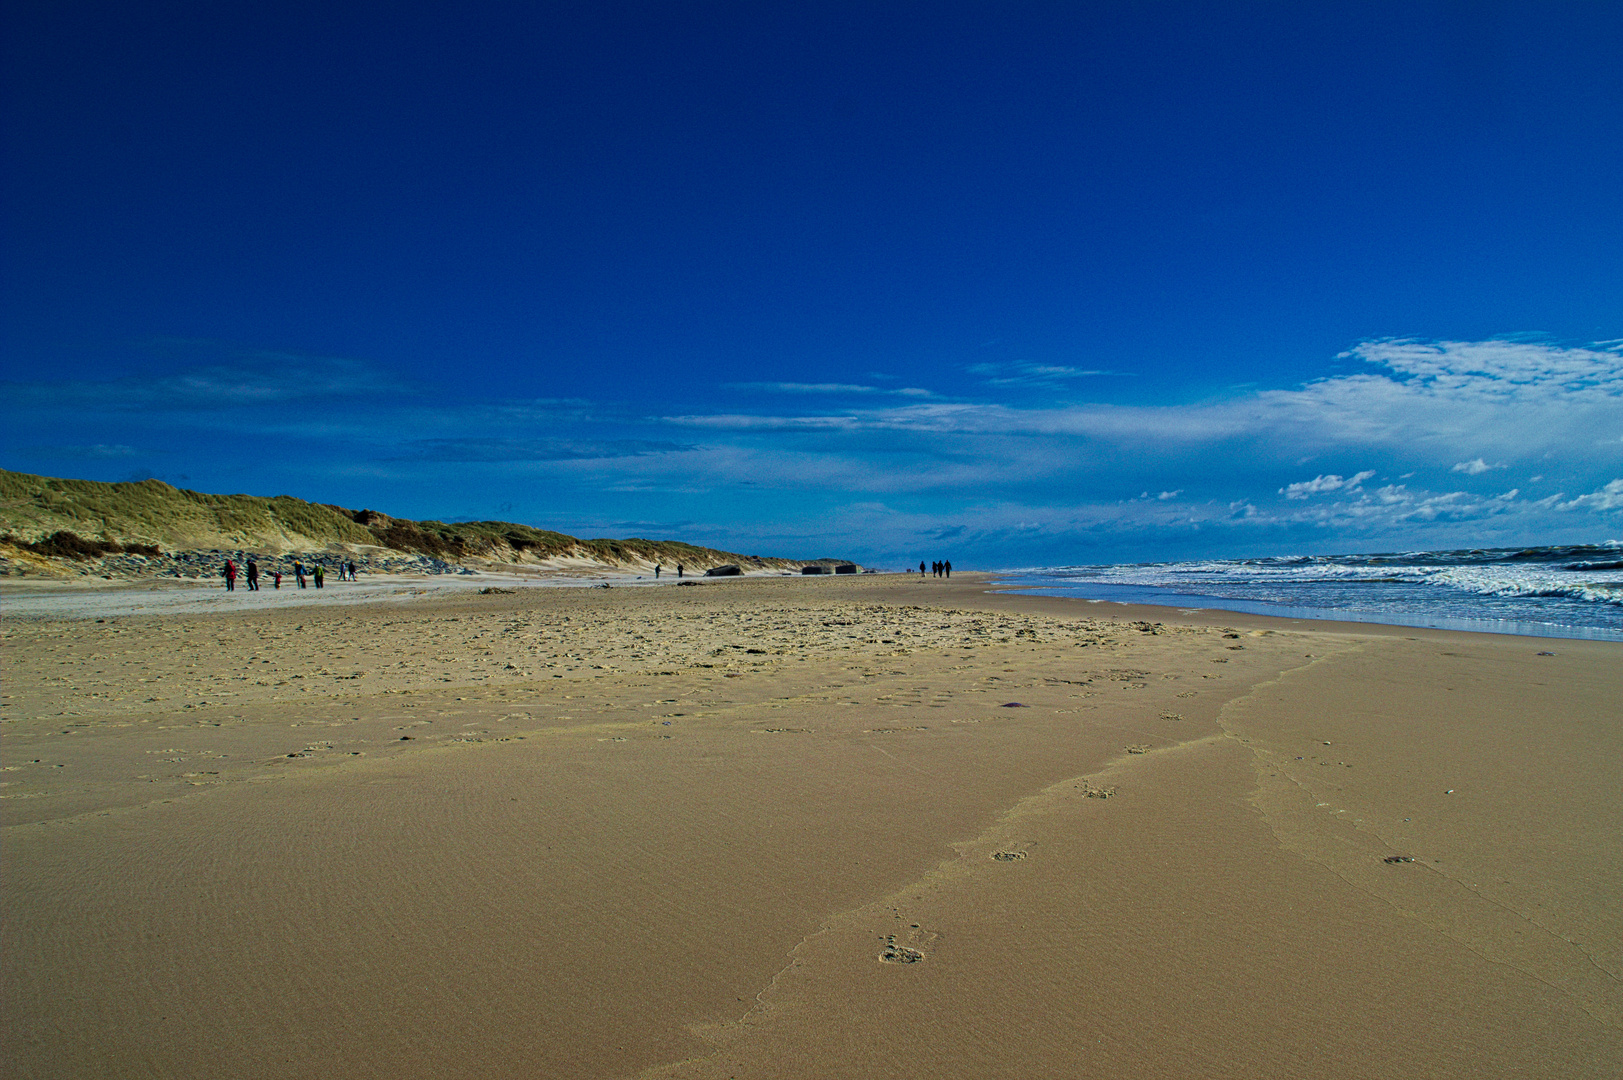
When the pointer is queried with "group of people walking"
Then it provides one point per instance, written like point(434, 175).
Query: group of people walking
point(940, 568)
point(250, 575)
point(316, 574)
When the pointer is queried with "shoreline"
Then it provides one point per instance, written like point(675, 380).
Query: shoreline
point(78, 599)
point(1303, 613)
point(761, 829)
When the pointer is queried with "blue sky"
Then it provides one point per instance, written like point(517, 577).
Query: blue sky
point(1006, 283)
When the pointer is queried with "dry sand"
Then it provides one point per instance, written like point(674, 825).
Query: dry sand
point(799, 828)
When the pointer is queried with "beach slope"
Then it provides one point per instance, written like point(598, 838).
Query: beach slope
point(804, 828)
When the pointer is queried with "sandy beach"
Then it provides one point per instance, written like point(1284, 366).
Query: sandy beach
point(869, 826)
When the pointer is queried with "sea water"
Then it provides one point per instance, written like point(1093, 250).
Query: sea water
point(1572, 591)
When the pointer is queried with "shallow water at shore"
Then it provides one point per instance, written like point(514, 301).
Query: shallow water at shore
point(1564, 592)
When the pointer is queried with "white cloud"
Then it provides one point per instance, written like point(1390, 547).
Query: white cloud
point(1320, 484)
point(1609, 497)
point(1432, 402)
point(1474, 468)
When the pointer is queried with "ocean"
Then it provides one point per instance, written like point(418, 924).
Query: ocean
point(1568, 592)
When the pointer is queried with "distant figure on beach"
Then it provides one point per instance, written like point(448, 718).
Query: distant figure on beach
point(678, 571)
point(921, 568)
point(350, 566)
point(656, 571)
point(276, 579)
point(947, 566)
point(298, 572)
point(319, 574)
point(253, 576)
point(230, 576)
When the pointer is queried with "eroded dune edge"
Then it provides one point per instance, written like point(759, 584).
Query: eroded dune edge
point(804, 828)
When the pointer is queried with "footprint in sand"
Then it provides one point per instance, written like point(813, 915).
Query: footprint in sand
point(1008, 856)
point(899, 954)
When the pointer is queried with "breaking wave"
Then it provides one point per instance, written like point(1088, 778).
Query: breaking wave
point(1569, 590)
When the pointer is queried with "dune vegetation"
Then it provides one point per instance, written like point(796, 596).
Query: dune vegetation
point(56, 518)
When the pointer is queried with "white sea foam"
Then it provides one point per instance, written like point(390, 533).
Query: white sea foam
point(1578, 587)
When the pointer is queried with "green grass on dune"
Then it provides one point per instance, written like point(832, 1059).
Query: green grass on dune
point(36, 508)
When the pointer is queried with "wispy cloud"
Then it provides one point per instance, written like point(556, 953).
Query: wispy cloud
point(497, 450)
point(846, 389)
point(274, 380)
point(92, 452)
point(1431, 402)
point(1008, 375)
point(1436, 416)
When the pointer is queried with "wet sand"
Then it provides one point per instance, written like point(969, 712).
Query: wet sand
point(804, 828)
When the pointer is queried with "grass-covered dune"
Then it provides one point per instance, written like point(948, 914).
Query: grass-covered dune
point(56, 518)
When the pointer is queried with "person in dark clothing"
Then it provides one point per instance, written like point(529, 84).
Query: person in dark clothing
point(678, 571)
point(656, 571)
point(298, 572)
point(230, 576)
point(947, 566)
point(253, 576)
